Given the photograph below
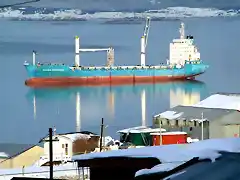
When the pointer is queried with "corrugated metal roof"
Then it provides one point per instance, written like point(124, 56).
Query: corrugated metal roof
point(191, 113)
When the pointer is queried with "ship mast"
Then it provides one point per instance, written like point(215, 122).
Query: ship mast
point(77, 48)
point(144, 40)
point(182, 31)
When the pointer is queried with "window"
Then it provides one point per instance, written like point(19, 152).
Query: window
point(66, 149)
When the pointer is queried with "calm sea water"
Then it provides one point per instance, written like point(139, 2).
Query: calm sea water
point(26, 114)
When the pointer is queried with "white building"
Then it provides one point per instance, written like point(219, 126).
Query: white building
point(63, 146)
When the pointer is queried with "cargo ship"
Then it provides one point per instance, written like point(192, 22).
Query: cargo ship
point(184, 63)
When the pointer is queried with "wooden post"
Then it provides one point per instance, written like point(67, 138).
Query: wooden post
point(102, 125)
point(23, 170)
point(160, 131)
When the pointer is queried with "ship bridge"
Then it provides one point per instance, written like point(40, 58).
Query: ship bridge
point(183, 49)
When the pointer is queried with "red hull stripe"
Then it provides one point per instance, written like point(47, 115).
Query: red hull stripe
point(98, 81)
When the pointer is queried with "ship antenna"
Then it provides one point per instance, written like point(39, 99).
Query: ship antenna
point(182, 31)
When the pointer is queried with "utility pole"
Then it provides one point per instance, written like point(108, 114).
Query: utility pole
point(101, 136)
point(50, 154)
point(50, 140)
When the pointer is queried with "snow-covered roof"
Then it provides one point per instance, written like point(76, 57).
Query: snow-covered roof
point(169, 133)
point(191, 113)
point(170, 115)
point(72, 136)
point(75, 136)
point(141, 129)
point(222, 101)
point(159, 168)
point(3, 155)
point(172, 153)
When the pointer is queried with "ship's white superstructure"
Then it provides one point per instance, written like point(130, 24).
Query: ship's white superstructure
point(183, 49)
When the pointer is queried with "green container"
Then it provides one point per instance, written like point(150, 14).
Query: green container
point(138, 139)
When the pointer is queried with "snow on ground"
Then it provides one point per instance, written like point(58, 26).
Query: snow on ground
point(69, 169)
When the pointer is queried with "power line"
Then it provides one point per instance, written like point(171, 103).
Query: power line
point(16, 4)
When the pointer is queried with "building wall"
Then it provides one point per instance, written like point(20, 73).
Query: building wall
point(60, 148)
point(26, 158)
point(2, 159)
point(231, 129)
point(215, 129)
point(81, 146)
point(173, 125)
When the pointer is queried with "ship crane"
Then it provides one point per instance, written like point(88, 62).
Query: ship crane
point(144, 40)
point(110, 53)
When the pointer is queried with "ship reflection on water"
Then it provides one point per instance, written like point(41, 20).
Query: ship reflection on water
point(149, 99)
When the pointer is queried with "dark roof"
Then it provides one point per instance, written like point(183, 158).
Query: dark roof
point(14, 149)
point(124, 167)
point(224, 168)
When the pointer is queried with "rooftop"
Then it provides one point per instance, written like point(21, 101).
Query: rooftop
point(141, 129)
point(11, 149)
point(221, 101)
point(227, 164)
point(194, 113)
point(3, 155)
point(74, 135)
